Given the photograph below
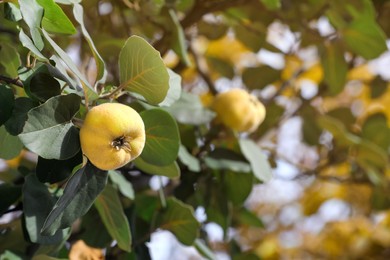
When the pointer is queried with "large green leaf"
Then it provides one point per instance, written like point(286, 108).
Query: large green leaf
point(49, 131)
point(10, 146)
point(364, 37)
point(10, 59)
point(32, 14)
point(171, 171)
point(9, 194)
point(189, 110)
point(376, 130)
point(258, 161)
point(179, 218)
point(64, 57)
point(335, 67)
point(162, 137)
point(54, 19)
point(80, 193)
point(272, 4)
point(110, 209)
point(7, 101)
point(143, 71)
point(15, 123)
point(37, 202)
point(52, 171)
point(123, 185)
point(78, 13)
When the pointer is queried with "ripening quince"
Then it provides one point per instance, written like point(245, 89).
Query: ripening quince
point(112, 135)
point(239, 110)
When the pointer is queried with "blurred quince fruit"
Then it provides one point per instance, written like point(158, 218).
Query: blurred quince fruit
point(239, 110)
point(112, 135)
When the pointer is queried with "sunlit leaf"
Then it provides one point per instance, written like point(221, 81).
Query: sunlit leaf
point(124, 186)
point(54, 19)
point(174, 91)
point(26, 42)
point(142, 70)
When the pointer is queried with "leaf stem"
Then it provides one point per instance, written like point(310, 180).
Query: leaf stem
point(15, 82)
point(161, 193)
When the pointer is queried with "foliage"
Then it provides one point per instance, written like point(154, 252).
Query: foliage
point(312, 62)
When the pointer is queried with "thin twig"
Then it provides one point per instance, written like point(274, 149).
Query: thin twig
point(16, 82)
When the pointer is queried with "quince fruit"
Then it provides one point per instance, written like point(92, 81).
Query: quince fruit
point(239, 110)
point(112, 135)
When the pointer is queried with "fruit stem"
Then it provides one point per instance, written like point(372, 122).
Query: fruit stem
point(77, 121)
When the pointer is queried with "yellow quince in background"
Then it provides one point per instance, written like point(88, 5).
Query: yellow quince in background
point(239, 110)
point(112, 135)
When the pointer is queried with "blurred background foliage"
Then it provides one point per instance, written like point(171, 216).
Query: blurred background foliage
point(321, 68)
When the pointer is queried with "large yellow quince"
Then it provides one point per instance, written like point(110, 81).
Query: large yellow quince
point(239, 110)
point(112, 135)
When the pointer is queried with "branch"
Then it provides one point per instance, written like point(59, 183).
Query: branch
point(16, 82)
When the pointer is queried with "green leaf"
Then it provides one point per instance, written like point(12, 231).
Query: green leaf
point(78, 13)
point(272, 4)
point(238, 186)
point(376, 130)
point(64, 57)
point(204, 250)
point(338, 130)
point(252, 35)
point(260, 77)
point(189, 110)
point(92, 236)
point(80, 192)
point(15, 123)
point(212, 31)
point(188, 159)
point(179, 41)
point(10, 59)
point(174, 90)
point(111, 212)
point(9, 194)
point(42, 86)
point(224, 159)
point(8, 255)
point(32, 14)
point(335, 67)
point(124, 186)
point(10, 146)
point(52, 171)
point(7, 101)
point(142, 70)
point(12, 12)
point(179, 218)
point(49, 131)
point(365, 38)
point(27, 43)
point(171, 171)
point(222, 67)
point(245, 217)
point(37, 202)
point(258, 161)
point(162, 137)
point(54, 19)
